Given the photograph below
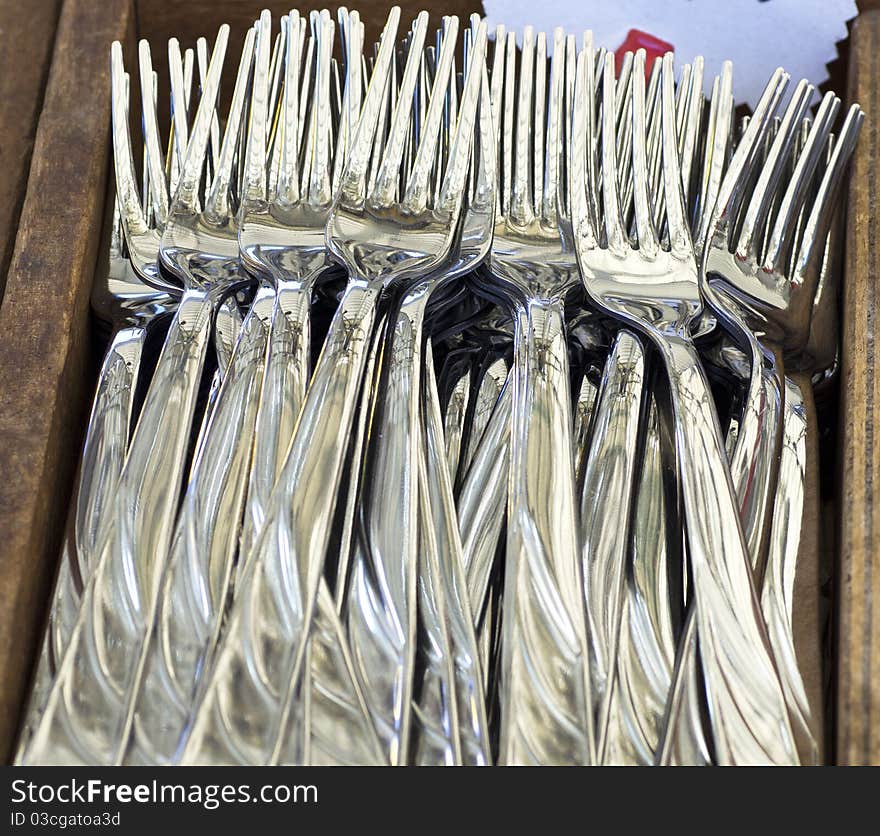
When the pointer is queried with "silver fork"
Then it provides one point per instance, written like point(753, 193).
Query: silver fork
point(277, 598)
point(643, 630)
point(656, 290)
point(335, 709)
point(201, 561)
point(794, 252)
point(89, 707)
point(281, 234)
point(609, 475)
point(381, 611)
point(752, 441)
point(545, 709)
point(450, 715)
point(123, 299)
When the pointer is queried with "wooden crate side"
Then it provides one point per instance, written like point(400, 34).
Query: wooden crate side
point(44, 343)
point(26, 40)
point(858, 591)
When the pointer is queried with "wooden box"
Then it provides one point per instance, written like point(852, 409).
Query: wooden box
point(48, 358)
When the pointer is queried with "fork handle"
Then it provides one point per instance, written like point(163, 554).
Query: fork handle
point(779, 590)
point(281, 398)
point(609, 481)
point(734, 646)
point(754, 460)
point(87, 706)
point(201, 560)
point(752, 466)
point(265, 640)
point(545, 718)
point(102, 459)
point(481, 502)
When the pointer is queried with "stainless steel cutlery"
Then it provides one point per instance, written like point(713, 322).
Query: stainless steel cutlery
point(502, 455)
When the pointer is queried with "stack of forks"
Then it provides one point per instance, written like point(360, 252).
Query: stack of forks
point(537, 499)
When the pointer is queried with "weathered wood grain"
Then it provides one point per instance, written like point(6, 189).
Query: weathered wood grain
point(25, 48)
point(44, 340)
point(858, 604)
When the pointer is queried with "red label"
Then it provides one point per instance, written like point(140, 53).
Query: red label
point(637, 39)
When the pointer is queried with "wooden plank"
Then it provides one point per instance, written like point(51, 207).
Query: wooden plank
point(44, 337)
point(26, 40)
point(808, 612)
point(858, 646)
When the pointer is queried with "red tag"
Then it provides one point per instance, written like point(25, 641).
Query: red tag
point(636, 39)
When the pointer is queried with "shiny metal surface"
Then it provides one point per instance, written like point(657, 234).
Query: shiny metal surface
point(387, 571)
point(656, 290)
point(545, 688)
point(89, 710)
point(553, 555)
point(377, 250)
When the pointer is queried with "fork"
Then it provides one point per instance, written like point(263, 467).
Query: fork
point(385, 567)
point(281, 233)
point(793, 252)
point(545, 708)
point(120, 297)
point(656, 290)
point(752, 440)
point(89, 706)
point(379, 247)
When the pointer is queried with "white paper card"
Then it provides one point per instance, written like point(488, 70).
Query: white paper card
point(799, 35)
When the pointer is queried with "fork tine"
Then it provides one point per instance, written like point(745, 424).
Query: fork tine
point(255, 175)
point(796, 193)
point(202, 61)
point(383, 192)
point(217, 203)
point(521, 207)
point(655, 167)
point(509, 110)
point(279, 48)
point(731, 191)
point(155, 168)
point(308, 113)
point(287, 191)
point(818, 224)
point(623, 83)
point(774, 165)
point(187, 191)
point(485, 179)
point(352, 50)
point(693, 121)
point(417, 190)
point(540, 127)
point(275, 120)
point(145, 173)
point(387, 106)
point(496, 79)
point(592, 76)
point(560, 187)
point(676, 214)
point(306, 81)
point(581, 175)
point(624, 127)
point(547, 200)
point(642, 209)
point(178, 97)
point(354, 180)
point(127, 197)
point(173, 156)
point(718, 140)
point(458, 166)
point(320, 185)
point(614, 231)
